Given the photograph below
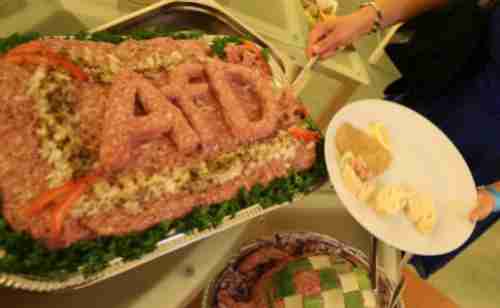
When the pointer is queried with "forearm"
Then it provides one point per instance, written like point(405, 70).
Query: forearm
point(329, 35)
point(395, 11)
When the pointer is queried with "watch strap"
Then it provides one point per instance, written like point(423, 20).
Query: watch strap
point(377, 26)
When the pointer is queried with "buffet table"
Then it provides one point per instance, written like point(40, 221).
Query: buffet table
point(174, 280)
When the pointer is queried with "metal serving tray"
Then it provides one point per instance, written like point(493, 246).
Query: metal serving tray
point(174, 15)
point(205, 15)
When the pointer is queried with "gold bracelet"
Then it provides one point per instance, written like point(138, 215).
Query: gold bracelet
point(377, 26)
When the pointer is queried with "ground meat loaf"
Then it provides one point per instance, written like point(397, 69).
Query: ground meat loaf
point(148, 130)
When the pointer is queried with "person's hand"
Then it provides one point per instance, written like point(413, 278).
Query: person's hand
point(486, 204)
point(340, 31)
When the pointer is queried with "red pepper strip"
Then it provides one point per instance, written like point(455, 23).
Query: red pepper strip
point(44, 200)
point(24, 58)
point(263, 65)
point(69, 66)
point(49, 58)
point(61, 211)
point(56, 194)
point(31, 47)
point(251, 46)
point(304, 134)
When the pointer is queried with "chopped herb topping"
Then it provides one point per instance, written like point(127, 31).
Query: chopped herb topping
point(220, 43)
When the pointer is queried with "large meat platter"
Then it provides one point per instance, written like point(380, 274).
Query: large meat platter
point(143, 136)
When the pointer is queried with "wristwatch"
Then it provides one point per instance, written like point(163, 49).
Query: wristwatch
point(496, 196)
point(377, 26)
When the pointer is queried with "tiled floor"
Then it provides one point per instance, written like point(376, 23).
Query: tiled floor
point(472, 279)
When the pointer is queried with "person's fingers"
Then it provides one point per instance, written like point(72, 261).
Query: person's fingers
point(317, 33)
point(309, 51)
point(321, 30)
point(328, 45)
point(480, 213)
point(328, 54)
point(485, 207)
point(486, 198)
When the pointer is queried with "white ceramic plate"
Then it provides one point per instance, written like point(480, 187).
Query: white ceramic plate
point(423, 158)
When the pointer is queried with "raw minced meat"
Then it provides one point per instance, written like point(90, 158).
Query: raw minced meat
point(168, 127)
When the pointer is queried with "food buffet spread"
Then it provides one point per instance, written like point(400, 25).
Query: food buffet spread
point(173, 124)
point(163, 132)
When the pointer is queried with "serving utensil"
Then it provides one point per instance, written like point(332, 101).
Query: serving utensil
point(299, 82)
point(301, 79)
point(398, 291)
point(373, 264)
point(396, 296)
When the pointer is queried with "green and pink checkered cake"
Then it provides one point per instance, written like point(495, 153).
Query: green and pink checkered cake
point(297, 270)
point(320, 281)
